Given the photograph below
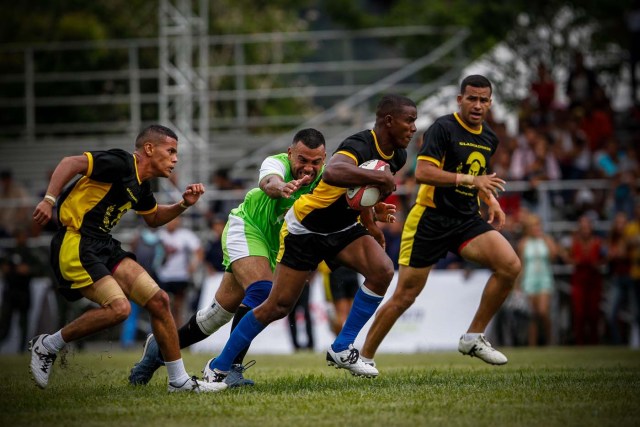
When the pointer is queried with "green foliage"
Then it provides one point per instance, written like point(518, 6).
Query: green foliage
point(594, 386)
point(348, 15)
point(250, 16)
point(534, 30)
point(65, 20)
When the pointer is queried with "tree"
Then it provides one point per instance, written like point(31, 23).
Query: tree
point(531, 30)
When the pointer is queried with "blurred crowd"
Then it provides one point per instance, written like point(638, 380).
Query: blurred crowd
point(580, 282)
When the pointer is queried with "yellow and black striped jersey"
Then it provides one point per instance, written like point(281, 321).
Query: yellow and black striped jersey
point(95, 202)
point(454, 147)
point(325, 210)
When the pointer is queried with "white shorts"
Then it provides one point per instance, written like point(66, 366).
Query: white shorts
point(240, 240)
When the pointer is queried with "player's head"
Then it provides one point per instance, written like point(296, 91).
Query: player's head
point(474, 100)
point(158, 145)
point(155, 134)
point(396, 116)
point(307, 153)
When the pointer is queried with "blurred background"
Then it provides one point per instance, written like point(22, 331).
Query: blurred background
point(236, 79)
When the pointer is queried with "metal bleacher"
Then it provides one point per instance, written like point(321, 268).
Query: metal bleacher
point(59, 99)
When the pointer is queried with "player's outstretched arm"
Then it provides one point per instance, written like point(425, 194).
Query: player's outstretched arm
point(275, 187)
point(166, 213)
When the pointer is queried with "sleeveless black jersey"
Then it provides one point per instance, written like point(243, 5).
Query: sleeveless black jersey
point(454, 147)
point(94, 203)
point(325, 210)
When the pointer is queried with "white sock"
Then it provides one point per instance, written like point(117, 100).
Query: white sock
point(177, 374)
point(366, 359)
point(210, 319)
point(54, 342)
point(471, 336)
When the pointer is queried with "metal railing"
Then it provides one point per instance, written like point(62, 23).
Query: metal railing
point(551, 217)
point(120, 77)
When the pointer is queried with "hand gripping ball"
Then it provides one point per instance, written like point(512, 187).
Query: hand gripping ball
point(365, 196)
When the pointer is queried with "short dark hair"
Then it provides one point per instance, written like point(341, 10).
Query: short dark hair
point(392, 105)
point(475, 80)
point(310, 137)
point(154, 133)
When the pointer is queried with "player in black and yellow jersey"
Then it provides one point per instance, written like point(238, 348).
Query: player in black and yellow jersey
point(453, 172)
point(321, 226)
point(88, 262)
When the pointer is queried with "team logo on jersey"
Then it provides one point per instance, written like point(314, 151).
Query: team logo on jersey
point(476, 164)
point(113, 215)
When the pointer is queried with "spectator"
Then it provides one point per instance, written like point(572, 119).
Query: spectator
point(619, 268)
point(301, 311)
point(543, 90)
point(581, 83)
point(596, 120)
point(587, 258)
point(184, 255)
point(534, 162)
point(14, 205)
point(619, 166)
point(501, 165)
point(222, 182)
point(537, 250)
point(213, 254)
point(19, 265)
point(632, 237)
point(571, 147)
point(633, 26)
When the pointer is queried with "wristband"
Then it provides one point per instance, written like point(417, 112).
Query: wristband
point(464, 179)
point(183, 205)
point(49, 198)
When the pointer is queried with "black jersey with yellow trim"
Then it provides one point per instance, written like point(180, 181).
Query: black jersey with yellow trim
point(325, 210)
point(454, 147)
point(94, 203)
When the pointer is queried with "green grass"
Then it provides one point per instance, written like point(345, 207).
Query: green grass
point(597, 386)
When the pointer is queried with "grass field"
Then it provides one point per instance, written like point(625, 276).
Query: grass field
point(597, 386)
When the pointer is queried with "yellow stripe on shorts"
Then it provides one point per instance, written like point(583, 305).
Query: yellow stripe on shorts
point(69, 261)
point(409, 232)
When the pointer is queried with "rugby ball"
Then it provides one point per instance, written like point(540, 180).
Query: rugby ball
point(365, 196)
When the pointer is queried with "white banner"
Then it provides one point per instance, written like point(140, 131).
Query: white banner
point(441, 313)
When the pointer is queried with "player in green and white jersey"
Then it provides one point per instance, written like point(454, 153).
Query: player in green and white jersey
point(250, 243)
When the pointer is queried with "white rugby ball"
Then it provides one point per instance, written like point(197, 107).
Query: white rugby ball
point(365, 196)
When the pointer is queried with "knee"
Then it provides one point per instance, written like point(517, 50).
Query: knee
point(121, 309)
point(280, 311)
point(381, 278)
point(510, 269)
point(271, 311)
point(405, 300)
point(159, 303)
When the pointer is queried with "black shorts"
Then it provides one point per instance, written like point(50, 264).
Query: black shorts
point(428, 236)
point(174, 287)
point(343, 283)
point(303, 252)
point(78, 261)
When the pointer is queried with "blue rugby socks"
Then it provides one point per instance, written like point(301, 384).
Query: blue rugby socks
point(364, 305)
point(240, 338)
